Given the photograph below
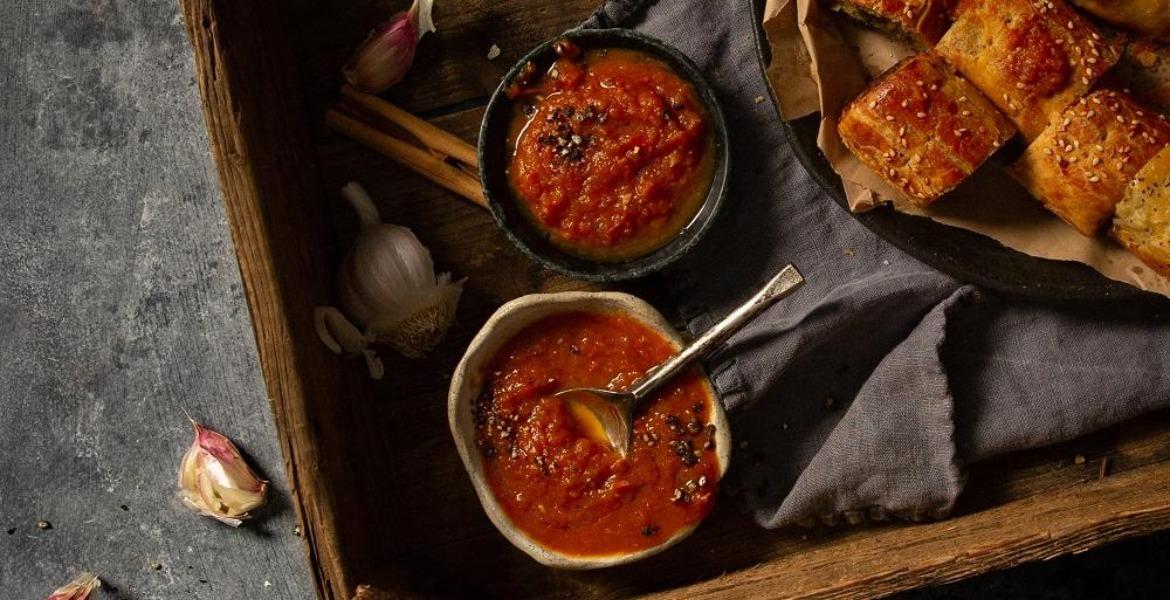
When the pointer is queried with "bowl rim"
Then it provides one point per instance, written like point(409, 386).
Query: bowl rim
point(466, 383)
point(696, 229)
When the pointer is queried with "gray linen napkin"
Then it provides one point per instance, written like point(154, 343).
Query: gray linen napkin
point(867, 391)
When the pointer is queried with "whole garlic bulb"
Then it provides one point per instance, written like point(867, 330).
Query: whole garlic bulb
point(388, 286)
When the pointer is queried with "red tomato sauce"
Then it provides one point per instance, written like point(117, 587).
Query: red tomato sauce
point(564, 489)
point(611, 155)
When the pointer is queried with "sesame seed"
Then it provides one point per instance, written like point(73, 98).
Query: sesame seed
point(962, 98)
point(921, 115)
point(873, 104)
point(1096, 161)
point(1094, 179)
point(966, 113)
point(889, 117)
point(1019, 85)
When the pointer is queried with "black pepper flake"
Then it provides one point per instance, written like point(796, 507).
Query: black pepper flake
point(529, 110)
point(697, 408)
point(649, 530)
point(674, 424)
point(685, 451)
point(486, 448)
point(694, 427)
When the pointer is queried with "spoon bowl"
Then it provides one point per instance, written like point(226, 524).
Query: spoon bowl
point(615, 409)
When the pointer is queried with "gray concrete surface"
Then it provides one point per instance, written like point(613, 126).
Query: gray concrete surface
point(120, 308)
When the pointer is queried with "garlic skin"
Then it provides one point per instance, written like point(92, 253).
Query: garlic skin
point(80, 588)
point(387, 284)
point(215, 481)
point(383, 59)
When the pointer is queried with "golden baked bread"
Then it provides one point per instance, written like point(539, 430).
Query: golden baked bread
point(1147, 17)
point(921, 22)
point(1032, 58)
point(1142, 222)
point(1080, 166)
point(922, 128)
point(1145, 69)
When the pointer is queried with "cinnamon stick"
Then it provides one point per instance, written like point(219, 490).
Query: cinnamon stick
point(432, 137)
point(417, 159)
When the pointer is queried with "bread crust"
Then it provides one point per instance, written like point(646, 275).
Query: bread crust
point(922, 128)
point(1080, 166)
point(922, 22)
point(1150, 18)
point(1142, 222)
point(1032, 58)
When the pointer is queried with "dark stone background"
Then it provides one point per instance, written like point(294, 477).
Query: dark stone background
point(121, 310)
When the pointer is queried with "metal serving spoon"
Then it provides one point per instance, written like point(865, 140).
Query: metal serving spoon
point(615, 410)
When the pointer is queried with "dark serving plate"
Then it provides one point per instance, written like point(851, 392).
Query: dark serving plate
point(532, 241)
point(966, 255)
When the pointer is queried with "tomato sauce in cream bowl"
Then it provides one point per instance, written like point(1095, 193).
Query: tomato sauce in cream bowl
point(604, 155)
point(554, 488)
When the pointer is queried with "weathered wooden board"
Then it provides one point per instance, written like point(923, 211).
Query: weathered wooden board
point(379, 485)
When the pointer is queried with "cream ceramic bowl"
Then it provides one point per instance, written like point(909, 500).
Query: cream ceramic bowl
point(468, 380)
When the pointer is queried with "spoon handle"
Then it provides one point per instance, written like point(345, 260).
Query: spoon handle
point(784, 283)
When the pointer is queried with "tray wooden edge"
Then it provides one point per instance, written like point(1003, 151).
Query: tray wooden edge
point(234, 59)
point(1037, 528)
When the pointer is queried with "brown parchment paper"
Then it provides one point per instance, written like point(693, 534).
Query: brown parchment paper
point(821, 61)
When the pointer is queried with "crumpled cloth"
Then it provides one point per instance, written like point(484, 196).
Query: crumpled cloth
point(868, 391)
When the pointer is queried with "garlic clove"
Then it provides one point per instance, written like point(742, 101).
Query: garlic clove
point(216, 481)
point(80, 588)
point(343, 337)
point(383, 59)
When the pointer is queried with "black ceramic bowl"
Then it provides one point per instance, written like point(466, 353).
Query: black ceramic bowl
point(534, 242)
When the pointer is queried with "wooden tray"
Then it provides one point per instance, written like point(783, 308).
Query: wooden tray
point(376, 482)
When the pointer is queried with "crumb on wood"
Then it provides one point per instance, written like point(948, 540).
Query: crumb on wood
point(1079, 459)
point(43, 524)
point(155, 566)
point(1103, 470)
